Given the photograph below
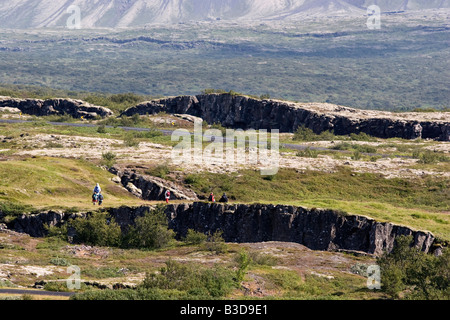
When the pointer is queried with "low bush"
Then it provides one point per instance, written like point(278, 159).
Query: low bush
point(305, 134)
point(9, 208)
point(430, 157)
point(97, 229)
point(101, 129)
point(150, 231)
point(59, 262)
point(195, 238)
point(213, 282)
point(160, 171)
point(216, 243)
point(109, 158)
point(308, 153)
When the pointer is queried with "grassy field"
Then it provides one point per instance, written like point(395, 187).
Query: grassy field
point(58, 183)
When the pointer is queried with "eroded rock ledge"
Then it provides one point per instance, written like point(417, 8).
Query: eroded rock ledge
point(37, 107)
point(151, 188)
point(317, 229)
point(235, 111)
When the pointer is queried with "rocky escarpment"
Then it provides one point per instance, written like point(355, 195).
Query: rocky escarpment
point(151, 188)
point(37, 107)
point(36, 224)
point(317, 229)
point(236, 111)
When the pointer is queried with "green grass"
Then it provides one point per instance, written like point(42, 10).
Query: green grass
point(40, 126)
point(57, 182)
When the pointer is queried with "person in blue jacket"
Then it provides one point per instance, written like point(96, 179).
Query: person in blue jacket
point(97, 189)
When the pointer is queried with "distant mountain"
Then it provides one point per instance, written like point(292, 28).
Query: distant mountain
point(130, 13)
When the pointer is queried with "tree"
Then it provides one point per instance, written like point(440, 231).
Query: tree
point(410, 272)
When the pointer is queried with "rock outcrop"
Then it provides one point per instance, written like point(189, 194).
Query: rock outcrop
point(151, 188)
point(317, 229)
point(235, 111)
point(36, 224)
point(37, 107)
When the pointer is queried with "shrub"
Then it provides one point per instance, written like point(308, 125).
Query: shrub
point(101, 129)
point(150, 231)
point(194, 279)
point(195, 237)
point(356, 155)
point(243, 260)
point(109, 158)
point(59, 261)
point(429, 157)
point(308, 153)
point(218, 126)
point(305, 134)
point(216, 243)
point(343, 146)
point(262, 259)
point(97, 229)
point(192, 179)
point(59, 286)
point(135, 294)
point(130, 140)
point(161, 171)
point(361, 137)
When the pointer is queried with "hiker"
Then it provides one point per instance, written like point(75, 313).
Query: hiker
point(94, 198)
point(97, 189)
point(167, 196)
point(211, 197)
point(97, 197)
point(100, 199)
point(224, 198)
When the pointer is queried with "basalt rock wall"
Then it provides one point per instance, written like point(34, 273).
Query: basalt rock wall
point(317, 229)
point(74, 108)
point(235, 111)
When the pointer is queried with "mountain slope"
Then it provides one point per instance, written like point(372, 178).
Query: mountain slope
point(129, 13)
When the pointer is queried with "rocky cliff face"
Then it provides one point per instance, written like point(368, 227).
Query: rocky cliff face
point(37, 107)
point(36, 224)
point(235, 111)
point(317, 229)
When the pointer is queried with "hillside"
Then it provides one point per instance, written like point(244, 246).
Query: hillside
point(121, 13)
point(276, 241)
